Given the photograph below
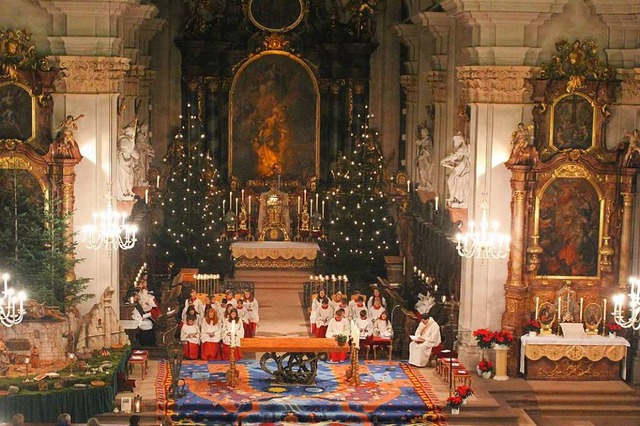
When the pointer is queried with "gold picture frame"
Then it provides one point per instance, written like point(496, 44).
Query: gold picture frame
point(569, 128)
point(276, 17)
point(17, 113)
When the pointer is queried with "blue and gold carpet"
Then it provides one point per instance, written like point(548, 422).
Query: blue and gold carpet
point(391, 393)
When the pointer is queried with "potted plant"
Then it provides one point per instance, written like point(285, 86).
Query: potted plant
point(341, 339)
point(501, 338)
point(613, 328)
point(486, 368)
point(464, 392)
point(533, 327)
point(455, 402)
point(484, 340)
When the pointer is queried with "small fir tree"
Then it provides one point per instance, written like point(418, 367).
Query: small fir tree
point(361, 226)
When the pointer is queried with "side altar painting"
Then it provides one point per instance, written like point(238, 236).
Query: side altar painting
point(17, 112)
point(573, 120)
point(274, 119)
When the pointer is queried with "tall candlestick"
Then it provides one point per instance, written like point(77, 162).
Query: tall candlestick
point(581, 305)
point(304, 194)
point(249, 205)
point(323, 209)
point(537, 305)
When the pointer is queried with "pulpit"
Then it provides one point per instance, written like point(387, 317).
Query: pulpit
point(274, 223)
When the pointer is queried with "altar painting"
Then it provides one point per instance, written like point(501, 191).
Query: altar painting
point(274, 119)
point(573, 118)
point(17, 112)
point(569, 226)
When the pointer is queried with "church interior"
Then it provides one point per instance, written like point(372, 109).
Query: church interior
point(319, 212)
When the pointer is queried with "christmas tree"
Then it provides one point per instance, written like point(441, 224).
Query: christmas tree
point(191, 206)
point(361, 227)
point(35, 246)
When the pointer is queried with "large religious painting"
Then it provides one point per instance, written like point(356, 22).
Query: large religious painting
point(274, 119)
point(19, 191)
point(17, 112)
point(569, 224)
point(573, 121)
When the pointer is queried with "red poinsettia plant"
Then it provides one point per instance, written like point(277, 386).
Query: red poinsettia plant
point(455, 401)
point(502, 338)
point(533, 325)
point(485, 366)
point(613, 327)
point(483, 337)
point(464, 391)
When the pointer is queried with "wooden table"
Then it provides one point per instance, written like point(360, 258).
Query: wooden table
point(140, 358)
point(298, 359)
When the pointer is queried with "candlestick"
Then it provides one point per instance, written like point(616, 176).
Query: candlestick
point(537, 305)
point(249, 205)
point(581, 305)
point(323, 209)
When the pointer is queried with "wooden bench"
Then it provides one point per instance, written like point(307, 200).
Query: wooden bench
point(290, 344)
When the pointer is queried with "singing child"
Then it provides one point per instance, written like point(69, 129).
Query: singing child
point(210, 336)
point(233, 332)
point(252, 317)
point(190, 337)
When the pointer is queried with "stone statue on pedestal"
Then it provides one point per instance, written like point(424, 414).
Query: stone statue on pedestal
point(127, 159)
point(146, 152)
point(424, 159)
point(460, 165)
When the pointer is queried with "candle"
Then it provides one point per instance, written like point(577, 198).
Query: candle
point(242, 196)
point(230, 199)
point(437, 203)
point(415, 269)
point(404, 266)
point(408, 186)
point(158, 181)
point(604, 311)
point(311, 207)
point(233, 334)
point(581, 305)
point(305, 196)
point(537, 305)
point(559, 309)
point(323, 208)
point(444, 299)
point(435, 288)
point(146, 196)
point(249, 205)
point(298, 205)
point(236, 206)
point(224, 206)
point(317, 203)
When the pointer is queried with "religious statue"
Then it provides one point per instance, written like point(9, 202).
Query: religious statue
point(522, 149)
point(424, 160)
point(460, 165)
point(273, 218)
point(242, 219)
point(65, 145)
point(316, 222)
point(305, 218)
point(127, 159)
point(35, 357)
point(146, 152)
point(629, 160)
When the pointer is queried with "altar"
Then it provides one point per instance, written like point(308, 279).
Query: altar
point(274, 254)
point(559, 358)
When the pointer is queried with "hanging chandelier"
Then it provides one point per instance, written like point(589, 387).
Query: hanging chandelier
point(8, 315)
point(484, 243)
point(109, 230)
point(632, 320)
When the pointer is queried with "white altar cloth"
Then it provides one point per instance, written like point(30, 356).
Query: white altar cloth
point(274, 250)
point(590, 340)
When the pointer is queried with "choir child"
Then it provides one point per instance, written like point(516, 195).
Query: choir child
point(233, 332)
point(376, 310)
point(147, 299)
point(377, 295)
point(242, 312)
point(213, 304)
point(382, 331)
point(325, 313)
point(315, 305)
point(338, 325)
point(344, 305)
point(335, 300)
point(222, 309)
point(230, 299)
point(210, 336)
point(252, 318)
point(354, 299)
point(146, 335)
point(190, 338)
point(366, 331)
point(358, 305)
point(196, 303)
point(227, 310)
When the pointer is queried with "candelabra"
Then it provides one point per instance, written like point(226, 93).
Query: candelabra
point(633, 318)
point(483, 244)
point(207, 283)
point(109, 229)
point(8, 315)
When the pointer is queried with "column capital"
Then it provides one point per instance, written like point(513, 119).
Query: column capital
point(90, 74)
point(495, 84)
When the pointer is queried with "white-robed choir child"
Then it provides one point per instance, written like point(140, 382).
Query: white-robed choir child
point(242, 312)
point(317, 302)
point(344, 305)
point(211, 336)
point(222, 309)
point(357, 306)
point(190, 338)
point(146, 335)
point(377, 295)
point(335, 300)
point(352, 302)
point(197, 305)
point(426, 337)
point(365, 327)
point(252, 317)
point(233, 332)
point(230, 299)
point(325, 313)
point(147, 299)
point(338, 325)
point(382, 332)
point(376, 310)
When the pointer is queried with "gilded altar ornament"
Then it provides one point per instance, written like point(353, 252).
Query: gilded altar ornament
point(17, 53)
point(534, 251)
point(547, 316)
point(523, 151)
point(578, 62)
point(65, 145)
point(606, 254)
point(305, 218)
point(242, 219)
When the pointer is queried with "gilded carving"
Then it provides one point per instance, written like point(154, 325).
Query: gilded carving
point(81, 74)
point(512, 305)
point(17, 53)
point(630, 87)
point(274, 263)
point(519, 195)
point(15, 163)
point(495, 84)
point(571, 171)
point(275, 42)
point(576, 352)
point(627, 198)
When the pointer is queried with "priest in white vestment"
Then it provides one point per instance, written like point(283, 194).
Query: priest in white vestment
point(427, 336)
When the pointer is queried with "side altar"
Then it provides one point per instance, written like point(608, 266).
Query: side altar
point(274, 254)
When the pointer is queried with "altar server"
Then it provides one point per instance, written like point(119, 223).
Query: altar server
point(338, 325)
point(196, 303)
point(252, 317)
point(335, 300)
point(230, 299)
point(427, 336)
point(377, 295)
point(344, 305)
point(382, 332)
point(315, 305)
point(357, 306)
point(147, 299)
point(325, 313)
point(222, 309)
point(242, 312)
point(190, 338)
point(210, 336)
point(376, 310)
point(213, 304)
point(366, 330)
point(146, 335)
point(233, 332)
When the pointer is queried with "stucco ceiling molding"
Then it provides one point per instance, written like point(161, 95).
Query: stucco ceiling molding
point(495, 84)
point(90, 74)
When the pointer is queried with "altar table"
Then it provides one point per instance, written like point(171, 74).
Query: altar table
point(296, 358)
point(588, 358)
point(274, 254)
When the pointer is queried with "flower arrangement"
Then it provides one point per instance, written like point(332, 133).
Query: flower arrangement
point(341, 339)
point(464, 391)
point(483, 337)
point(533, 325)
point(455, 402)
point(485, 366)
point(502, 338)
point(613, 327)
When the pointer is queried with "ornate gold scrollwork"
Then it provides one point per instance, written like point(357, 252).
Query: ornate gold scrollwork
point(534, 251)
point(17, 53)
point(576, 352)
point(275, 42)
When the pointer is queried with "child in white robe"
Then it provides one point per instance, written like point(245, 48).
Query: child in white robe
point(317, 302)
point(210, 336)
point(325, 313)
point(252, 317)
point(190, 336)
point(338, 325)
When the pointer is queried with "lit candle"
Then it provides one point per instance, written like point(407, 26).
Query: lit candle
point(224, 206)
point(537, 305)
point(437, 199)
point(305, 196)
point(298, 205)
point(323, 208)
point(242, 196)
point(604, 311)
point(233, 334)
point(249, 205)
point(236, 206)
point(158, 181)
point(415, 268)
point(408, 186)
point(230, 199)
point(581, 305)
point(404, 266)
point(317, 203)
point(435, 288)
point(311, 207)
point(444, 299)
point(146, 196)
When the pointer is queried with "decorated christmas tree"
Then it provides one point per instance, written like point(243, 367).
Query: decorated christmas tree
point(189, 231)
point(35, 245)
point(361, 226)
